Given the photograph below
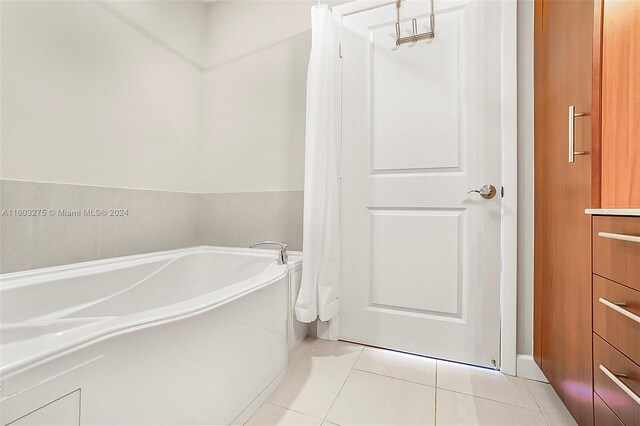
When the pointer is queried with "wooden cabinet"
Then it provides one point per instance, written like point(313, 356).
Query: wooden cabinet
point(616, 184)
point(587, 55)
point(563, 77)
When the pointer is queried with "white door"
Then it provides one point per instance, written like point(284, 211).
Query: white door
point(421, 128)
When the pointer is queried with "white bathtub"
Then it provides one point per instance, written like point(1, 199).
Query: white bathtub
point(186, 337)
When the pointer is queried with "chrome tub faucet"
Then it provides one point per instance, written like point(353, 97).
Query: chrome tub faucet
point(283, 256)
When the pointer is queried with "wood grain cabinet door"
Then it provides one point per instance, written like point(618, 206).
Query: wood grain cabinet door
point(621, 103)
point(563, 77)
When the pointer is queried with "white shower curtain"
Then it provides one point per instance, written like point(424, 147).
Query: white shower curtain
point(318, 297)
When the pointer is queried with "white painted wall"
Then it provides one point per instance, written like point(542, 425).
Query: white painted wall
point(102, 93)
point(525, 177)
point(256, 60)
point(178, 24)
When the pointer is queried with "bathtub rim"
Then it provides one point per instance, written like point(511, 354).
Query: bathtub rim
point(112, 327)
point(10, 280)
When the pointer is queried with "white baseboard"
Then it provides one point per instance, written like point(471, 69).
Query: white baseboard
point(527, 368)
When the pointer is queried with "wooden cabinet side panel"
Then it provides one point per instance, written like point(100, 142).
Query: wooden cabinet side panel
point(539, 211)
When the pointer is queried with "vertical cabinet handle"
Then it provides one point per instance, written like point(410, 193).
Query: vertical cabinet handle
point(572, 133)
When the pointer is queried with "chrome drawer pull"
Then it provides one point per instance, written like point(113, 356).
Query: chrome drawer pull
point(626, 389)
point(619, 307)
point(621, 237)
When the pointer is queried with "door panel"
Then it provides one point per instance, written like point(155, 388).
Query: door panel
point(421, 128)
point(408, 105)
point(394, 270)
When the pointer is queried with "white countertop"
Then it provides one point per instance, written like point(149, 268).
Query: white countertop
point(613, 212)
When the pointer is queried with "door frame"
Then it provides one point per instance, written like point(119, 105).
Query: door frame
point(509, 164)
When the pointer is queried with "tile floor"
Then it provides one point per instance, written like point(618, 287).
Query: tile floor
point(337, 383)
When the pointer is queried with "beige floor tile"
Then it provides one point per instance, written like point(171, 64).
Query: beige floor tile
point(401, 366)
point(272, 415)
point(550, 404)
point(485, 383)
point(372, 399)
point(324, 352)
point(316, 372)
point(559, 420)
point(456, 409)
point(352, 386)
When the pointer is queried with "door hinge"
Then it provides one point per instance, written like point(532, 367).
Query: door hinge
point(340, 50)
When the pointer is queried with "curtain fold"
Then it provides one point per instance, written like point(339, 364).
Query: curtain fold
point(319, 292)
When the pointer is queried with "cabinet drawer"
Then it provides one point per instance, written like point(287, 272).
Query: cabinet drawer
point(616, 316)
point(617, 381)
point(603, 414)
point(616, 249)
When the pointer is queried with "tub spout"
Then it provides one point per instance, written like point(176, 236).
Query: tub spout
point(283, 257)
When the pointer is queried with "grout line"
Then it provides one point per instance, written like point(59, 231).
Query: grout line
point(394, 378)
point(534, 397)
point(323, 419)
point(550, 412)
point(341, 387)
point(492, 400)
point(435, 397)
point(288, 409)
point(386, 375)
